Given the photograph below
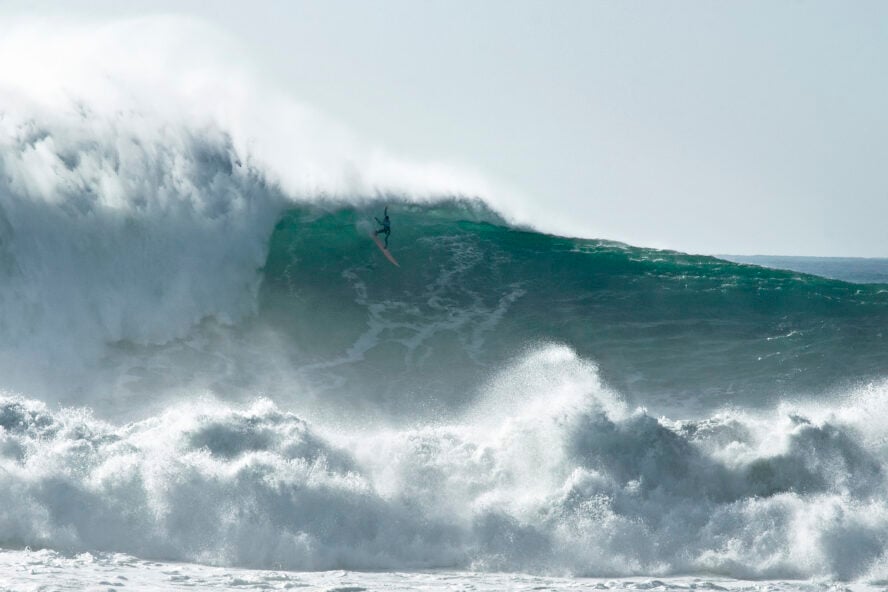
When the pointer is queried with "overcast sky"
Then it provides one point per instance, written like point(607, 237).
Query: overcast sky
point(712, 127)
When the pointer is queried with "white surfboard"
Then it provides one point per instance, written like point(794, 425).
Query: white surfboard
point(384, 250)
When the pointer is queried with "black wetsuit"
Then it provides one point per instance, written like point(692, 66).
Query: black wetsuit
point(386, 227)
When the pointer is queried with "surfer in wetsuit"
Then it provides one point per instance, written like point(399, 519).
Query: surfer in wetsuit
point(386, 226)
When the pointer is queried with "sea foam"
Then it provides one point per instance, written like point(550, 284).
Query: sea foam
point(570, 480)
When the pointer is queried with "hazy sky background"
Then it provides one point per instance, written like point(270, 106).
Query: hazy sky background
point(714, 127)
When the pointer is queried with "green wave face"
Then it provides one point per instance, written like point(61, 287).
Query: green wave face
point(668, 330)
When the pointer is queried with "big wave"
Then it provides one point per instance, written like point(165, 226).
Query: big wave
point(159, 239)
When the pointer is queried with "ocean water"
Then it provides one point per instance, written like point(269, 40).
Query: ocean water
point(859, 270)
point(209, 377)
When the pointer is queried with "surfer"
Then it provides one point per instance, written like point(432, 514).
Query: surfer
point(386, 226)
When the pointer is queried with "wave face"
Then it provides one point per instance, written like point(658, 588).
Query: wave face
point(668, 330)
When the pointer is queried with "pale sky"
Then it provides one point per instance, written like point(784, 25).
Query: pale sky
point(710, 127)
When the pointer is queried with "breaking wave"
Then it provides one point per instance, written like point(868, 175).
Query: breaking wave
point(205, 358)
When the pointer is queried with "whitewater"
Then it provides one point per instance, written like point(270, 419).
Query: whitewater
point(211, 377)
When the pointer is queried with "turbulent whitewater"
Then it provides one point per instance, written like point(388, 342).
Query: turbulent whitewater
point(206, 360)
point(294, 401)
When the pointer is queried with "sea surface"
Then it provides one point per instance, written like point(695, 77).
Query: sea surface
point(859, 270)
point(209, 380)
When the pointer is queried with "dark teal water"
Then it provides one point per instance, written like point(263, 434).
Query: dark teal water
point(667, 329)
